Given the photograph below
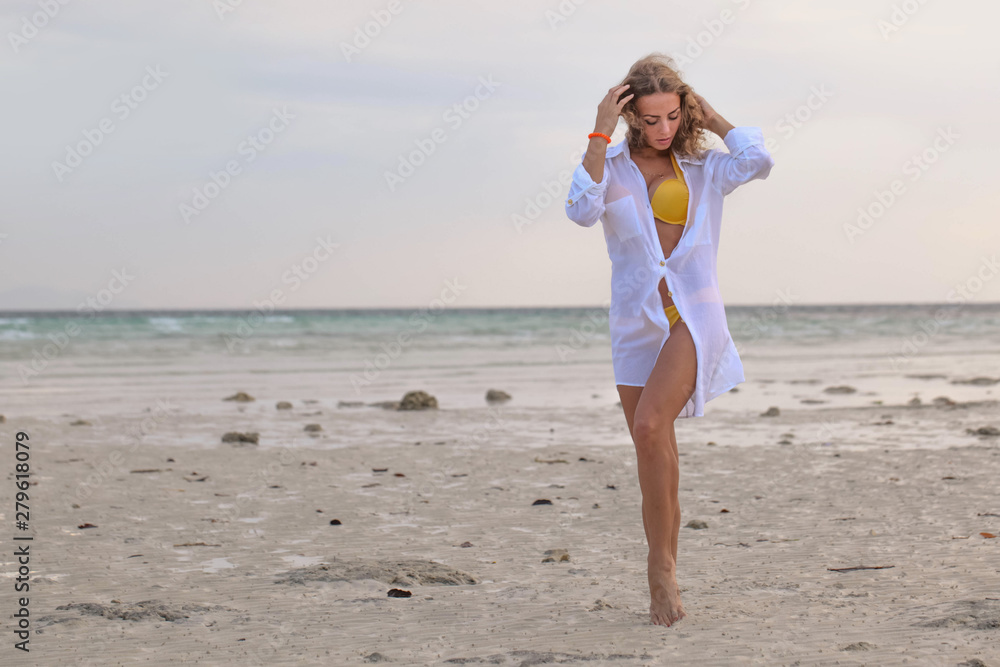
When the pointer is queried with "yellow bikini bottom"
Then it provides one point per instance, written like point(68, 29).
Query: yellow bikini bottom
point(672, 315)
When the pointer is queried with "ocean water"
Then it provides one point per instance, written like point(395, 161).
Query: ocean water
point(550, 356)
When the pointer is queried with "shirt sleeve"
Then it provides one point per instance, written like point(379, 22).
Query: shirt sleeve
point(747, 159)
point(585, 202)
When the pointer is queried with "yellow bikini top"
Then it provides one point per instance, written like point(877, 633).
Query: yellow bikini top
point(670, 199)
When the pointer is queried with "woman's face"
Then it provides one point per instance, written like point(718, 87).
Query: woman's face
point(660, 116)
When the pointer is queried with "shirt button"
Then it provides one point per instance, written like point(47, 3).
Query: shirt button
point(662, 263)
point(669, 293)
point(569, 201)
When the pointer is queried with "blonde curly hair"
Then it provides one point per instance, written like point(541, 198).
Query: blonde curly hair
point(657, 73)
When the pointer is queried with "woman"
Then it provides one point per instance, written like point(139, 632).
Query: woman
point(659, 196)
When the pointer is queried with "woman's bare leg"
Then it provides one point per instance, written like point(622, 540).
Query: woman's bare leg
point(630, 398)
point(653, 410)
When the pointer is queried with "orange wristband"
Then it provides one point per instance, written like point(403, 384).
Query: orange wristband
point(599, 134)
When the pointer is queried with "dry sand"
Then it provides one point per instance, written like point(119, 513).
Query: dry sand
point(226, 554)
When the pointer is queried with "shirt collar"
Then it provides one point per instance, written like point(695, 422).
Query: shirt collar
point(622, 147)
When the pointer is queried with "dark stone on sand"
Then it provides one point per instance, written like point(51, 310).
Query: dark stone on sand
point(927, 376)
point(283, 405)
point(988, 431)
point(697, 524)
point(147, 609)
point(404, 572)
point(943, 400)
point(978, 381)
point(859, 646)
point(234, 436)
point(496, 395)
point(312, 428)
point(353, 404)
point(399, 593)
point(542, 501)
point(812, 401)
point(376, 657)
point(2, 419)
point(80, 422)
point(972, 662)
point(418, 400)
point(840, 389)
point(465, 545)
point(335, 522)
point(980, 614)
point(784, 442)
point(240, 397)
point(772, 411)
point(555, 556)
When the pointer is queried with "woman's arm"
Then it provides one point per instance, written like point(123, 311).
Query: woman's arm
point(585, 203)
point(747, 158)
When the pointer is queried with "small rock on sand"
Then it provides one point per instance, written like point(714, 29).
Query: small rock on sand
point(915, 401)
point(772, 411)
point(240, 397)
point(418, 400)
point(496, 395)
point(234, 436)
point(555, 556)
point(840, 389)
point(312, 428)
point(989, 431)
point(283, 405)
point(859, 646)
point(943, 400)
point(80, 422)
point(697, 524)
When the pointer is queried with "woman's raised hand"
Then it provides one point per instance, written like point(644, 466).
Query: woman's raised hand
point(610, 109)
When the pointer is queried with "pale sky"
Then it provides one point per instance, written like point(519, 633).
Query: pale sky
point(161, 95)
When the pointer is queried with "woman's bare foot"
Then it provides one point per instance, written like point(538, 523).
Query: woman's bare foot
point(665, 607)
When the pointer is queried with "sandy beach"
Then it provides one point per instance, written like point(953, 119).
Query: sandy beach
point(155, 542)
